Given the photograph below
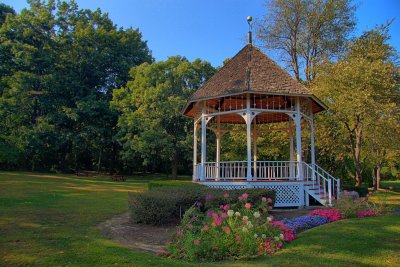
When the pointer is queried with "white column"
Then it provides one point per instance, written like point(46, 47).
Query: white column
point(218, 136)
point(195, 151)
point(203, 141)
point(291, 147)
point(298, 140)
point(248, 131)
point(312, 146)
point(255, 149)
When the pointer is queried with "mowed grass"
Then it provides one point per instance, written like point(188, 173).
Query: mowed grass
point(51, 220)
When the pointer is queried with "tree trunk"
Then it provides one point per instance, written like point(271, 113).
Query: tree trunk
point(99, 162)
point(174, 167)
point(374, 179)
point(378, 177)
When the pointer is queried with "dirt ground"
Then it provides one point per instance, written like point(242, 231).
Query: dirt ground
point(153, 238)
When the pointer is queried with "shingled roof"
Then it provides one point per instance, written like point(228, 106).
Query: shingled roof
point(250, 70)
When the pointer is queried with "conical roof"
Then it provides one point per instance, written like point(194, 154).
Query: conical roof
point(250, 70)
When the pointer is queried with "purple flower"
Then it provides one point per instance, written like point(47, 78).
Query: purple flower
point(198, 204)
point(209, 197)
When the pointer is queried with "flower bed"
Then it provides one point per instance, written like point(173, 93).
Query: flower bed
point(239, 228)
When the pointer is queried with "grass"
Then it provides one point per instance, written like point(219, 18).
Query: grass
point(387, 184)
point(50, 220)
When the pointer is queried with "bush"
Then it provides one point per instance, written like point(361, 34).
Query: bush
point(236, 229)
point(167, 204)
point(361, 190)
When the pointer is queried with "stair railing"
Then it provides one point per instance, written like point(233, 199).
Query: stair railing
point(318, 177)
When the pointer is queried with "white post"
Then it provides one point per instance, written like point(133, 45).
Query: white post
point(248, 128)
point(255, 150)
point(312, 147)
point(195, 151)
point(218, 156)
point(203, 141)
point(291, 147)
point(298, 140)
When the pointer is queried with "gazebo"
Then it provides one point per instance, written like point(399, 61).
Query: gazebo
point(252, 90)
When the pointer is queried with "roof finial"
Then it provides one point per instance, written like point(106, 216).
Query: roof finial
point(249, 21)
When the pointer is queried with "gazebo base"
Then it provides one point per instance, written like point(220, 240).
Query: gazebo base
point(289, 193)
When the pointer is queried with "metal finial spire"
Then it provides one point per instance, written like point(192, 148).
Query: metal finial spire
point(249, 21)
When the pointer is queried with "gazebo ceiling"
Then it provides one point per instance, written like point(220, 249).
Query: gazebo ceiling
point(251, 71)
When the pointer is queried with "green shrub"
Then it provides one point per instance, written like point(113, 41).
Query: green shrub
point(155, 184)
point(361, 190)
point(167, 204)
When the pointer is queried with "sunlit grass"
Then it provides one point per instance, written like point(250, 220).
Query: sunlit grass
point(51, 220)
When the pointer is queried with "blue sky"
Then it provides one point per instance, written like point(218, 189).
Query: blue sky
point(212, 30)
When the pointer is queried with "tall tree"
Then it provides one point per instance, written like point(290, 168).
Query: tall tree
point(305, 32)
point(361, 89)
point(150, 123)
point(59, 66)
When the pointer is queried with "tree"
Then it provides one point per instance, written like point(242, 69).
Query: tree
point(306, 32)
point(5, 10)
point(150, 123)
point(362, 94)
point(59, 66)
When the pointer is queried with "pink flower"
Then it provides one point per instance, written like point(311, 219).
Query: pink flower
point(209, 197)
point(237, 238)
point(226, 195)
point(226, 229)
point(245, 195)
point(205, 228)
point(247, 205)
point(264, 199)
point(196, 242)
point(179, 232)
point(217, 221)
point(269, 200)
point(226, 207)
point(240, 198)
point(224, 215)
point(190, 226)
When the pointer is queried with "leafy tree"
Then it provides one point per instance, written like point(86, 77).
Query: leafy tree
point(4, 11)
point(150, 123)
point(59, 66)
point(362, 93)
point(306, 31)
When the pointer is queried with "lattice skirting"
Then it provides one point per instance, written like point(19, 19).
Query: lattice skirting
point(288, 194)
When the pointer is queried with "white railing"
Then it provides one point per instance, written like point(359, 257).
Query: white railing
point(318, 178)
point(260, 170)
point(275, 170)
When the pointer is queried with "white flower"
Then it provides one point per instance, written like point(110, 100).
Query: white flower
point(237, 214)
point(244, 229)
point(255, 235)
point(281, 236)
point(245, 218)
point(257, 214)
point(250, 225)
point(264, 236)
point(230, 213)
point(276, 238)
point(269, 219)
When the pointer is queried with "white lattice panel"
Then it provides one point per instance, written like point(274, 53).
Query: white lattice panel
point(287, 193)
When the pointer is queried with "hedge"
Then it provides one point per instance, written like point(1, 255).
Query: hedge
point(166, 204)
point(361, 190)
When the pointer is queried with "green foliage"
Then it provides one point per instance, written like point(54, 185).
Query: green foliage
point(166, 204)
point(151, 126)
point(361, 190)
point(235, 230)
point(306, 32)
point(361, 91)
point(59, 66)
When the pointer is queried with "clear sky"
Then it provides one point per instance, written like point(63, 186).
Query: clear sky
point(212, 30)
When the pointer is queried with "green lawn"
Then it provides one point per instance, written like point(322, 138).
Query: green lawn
point(395, 184)
point(50, 220)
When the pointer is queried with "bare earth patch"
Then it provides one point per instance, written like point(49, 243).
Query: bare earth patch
point(153, 238)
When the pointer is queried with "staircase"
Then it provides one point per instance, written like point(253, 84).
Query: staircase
point(319, 184)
